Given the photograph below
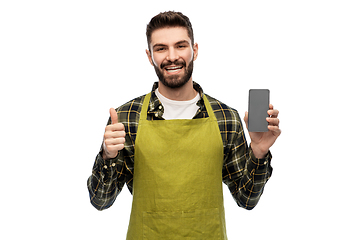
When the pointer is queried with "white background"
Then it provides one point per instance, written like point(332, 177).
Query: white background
point(63, 64)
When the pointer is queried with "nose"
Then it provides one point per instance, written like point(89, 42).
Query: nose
point(172, 55)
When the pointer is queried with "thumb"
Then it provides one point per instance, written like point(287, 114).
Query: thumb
point(113, 116)
point(246, 119)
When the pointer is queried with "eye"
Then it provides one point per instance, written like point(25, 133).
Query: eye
point(159, 49)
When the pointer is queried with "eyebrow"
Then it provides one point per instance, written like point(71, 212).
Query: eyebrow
point(177, 43)
point(182, 42)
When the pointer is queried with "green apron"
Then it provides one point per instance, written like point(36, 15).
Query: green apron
point(177, 185)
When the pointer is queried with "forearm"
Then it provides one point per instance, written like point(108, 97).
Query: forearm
point(103, 184)
point(246, 182)
point(251, 186)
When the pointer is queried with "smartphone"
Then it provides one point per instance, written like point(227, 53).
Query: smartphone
point(258, 107)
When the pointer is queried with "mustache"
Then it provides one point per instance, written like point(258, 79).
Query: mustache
point(176, 62)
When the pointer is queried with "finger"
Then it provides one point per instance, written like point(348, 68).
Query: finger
point(115, 127)
point(114, 134)
point(273, 121)
point(113, 116)
point(114, 148)
point(273, 113)
point(275, 129)
point(114, 141)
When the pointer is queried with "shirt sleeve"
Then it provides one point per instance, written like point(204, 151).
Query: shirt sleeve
point(243, 173)
point(106, 181)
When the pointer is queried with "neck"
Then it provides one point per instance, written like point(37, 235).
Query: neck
point(184, 93)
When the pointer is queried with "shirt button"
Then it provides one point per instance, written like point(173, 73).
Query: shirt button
point(113, 165)
point(265, 162)
point(105, 166)
point(156, 114)
point(160, 107)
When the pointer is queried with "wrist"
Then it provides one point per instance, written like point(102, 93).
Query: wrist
point(106, 156)
point(258, 152)
point(103, 155)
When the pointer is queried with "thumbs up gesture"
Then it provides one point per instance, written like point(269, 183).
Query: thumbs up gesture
point(114, 137)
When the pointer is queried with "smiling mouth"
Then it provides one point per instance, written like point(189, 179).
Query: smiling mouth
point(173, 69)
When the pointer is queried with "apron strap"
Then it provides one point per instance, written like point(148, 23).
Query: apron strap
point(209, 108)
point(144, 108)
point(145, 105)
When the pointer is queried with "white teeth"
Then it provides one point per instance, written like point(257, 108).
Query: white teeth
point(173, 69)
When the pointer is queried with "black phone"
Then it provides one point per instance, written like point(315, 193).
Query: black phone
point(258, 107)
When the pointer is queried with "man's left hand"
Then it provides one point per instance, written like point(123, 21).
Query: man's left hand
point(262, 141)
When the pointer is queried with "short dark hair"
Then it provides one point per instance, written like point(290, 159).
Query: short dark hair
point(169, 19)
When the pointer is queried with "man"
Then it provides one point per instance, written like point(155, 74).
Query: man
point(176, 145)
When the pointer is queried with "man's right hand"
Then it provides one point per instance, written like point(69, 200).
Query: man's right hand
point(114, 137)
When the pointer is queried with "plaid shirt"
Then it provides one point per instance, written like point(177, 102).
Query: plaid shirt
point(243, 173)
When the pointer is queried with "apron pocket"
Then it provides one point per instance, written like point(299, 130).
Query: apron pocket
point(199, 224)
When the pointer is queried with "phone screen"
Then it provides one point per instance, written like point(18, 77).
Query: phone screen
point(258, 107)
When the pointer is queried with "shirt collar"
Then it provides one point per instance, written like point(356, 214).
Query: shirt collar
point(157, 109)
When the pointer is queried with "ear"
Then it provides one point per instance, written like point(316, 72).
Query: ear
point(196, 51)
point(148, 53)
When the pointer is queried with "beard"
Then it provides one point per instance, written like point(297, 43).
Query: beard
point(175, 81)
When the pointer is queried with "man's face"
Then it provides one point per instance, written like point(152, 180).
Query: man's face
point(172, 56)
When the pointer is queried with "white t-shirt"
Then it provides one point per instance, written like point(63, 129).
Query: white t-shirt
point(178, 109)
